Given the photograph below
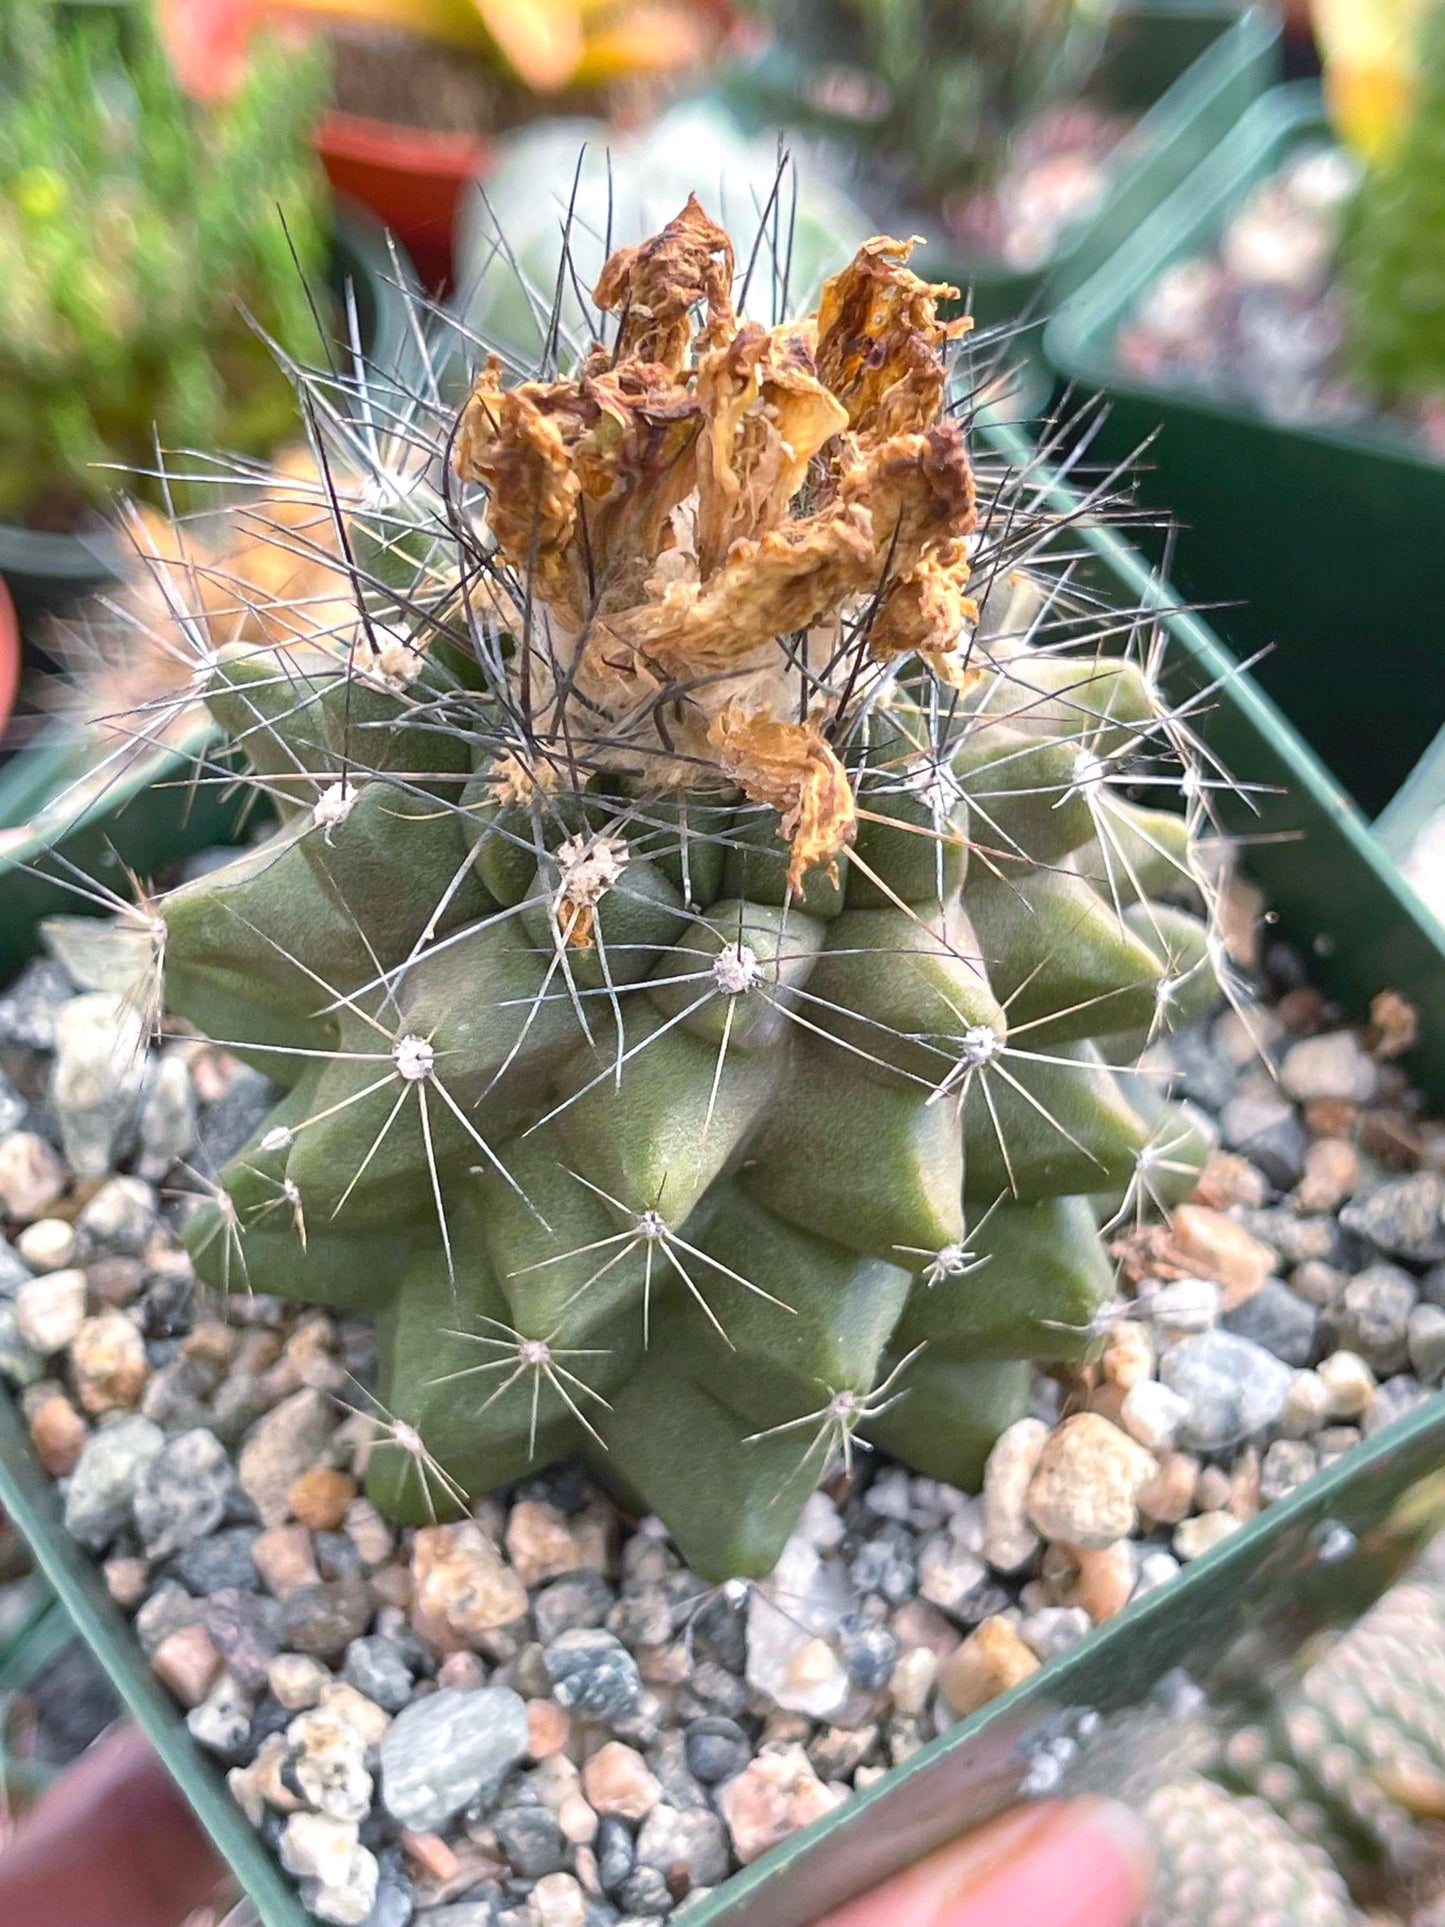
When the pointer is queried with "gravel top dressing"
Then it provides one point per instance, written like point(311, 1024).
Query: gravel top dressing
point(538, 1717)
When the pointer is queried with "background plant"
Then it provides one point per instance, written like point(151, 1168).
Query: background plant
point(1393, 247)
point(142, 243)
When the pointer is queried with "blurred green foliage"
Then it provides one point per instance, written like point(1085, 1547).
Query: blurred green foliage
point(1393, 248)
point(138, 231)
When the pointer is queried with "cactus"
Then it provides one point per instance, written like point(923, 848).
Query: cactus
point(1392, 254)
point(704, 917)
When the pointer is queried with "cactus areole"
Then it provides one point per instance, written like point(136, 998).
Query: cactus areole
point(707, 945)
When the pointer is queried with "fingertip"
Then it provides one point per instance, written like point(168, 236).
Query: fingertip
point(1087, 1864)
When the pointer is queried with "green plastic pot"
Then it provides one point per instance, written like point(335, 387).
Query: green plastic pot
point(1283, 1575)
point(45, 572)
point(1187, 68)
point(1321, 545)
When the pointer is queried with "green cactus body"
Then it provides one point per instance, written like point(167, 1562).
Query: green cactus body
point(701, 1066)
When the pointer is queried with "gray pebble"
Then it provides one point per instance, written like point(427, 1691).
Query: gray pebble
point(1234, 1388)
point(645, 1893)
point(119, 1218)
point(13, 1108)
point(1267, 1129)
point(169, 1608)
point(716, 1749)
point(1405, 1217)
point(1393, 1400)
point(887, 1563)
point(870, 1656)
point(1373, 1316)
point(29, 1008)
point(949, 1574)
point(1287, 1464)
point(1426, 1342)
point(323, 1620)
point(222, 1561)
point(184, 1493)
point(688, 1847)
point(720, 1628)
point(222, 1721)
point(1277, 1318)
point(167, 1115)
point(581, 1599)
point(462, 1913)
point(593, 1675)
point(244, 1628)
point(667, 1761)
point(531, 1839)
point(14, 1271)
point(377, 1667)
point(1320, 1283)
point(393, 1906)
point(227, 1124)
point(445, 1751)
point(1204, 1075)
point(613, 1847)
point(18, 1364)
point(1053, 1629)
point(103, 1485)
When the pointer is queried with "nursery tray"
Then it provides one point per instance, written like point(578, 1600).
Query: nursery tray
point(1280, 1578)
point(1187, 68)
point(1321, 544)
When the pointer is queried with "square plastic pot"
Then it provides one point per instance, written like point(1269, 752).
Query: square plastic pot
point(1321, 545)
point(1277, 1580)
point(1187, 68)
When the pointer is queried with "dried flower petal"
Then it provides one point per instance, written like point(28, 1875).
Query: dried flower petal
point(790, 767)
point(656, 285)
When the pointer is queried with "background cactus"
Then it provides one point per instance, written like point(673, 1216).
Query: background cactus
point(705, 912)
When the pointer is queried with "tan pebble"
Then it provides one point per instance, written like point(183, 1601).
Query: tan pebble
point(772, 1797)
point(990, 1661)
point(1349, 1385)
point(369, 1533)
point(461, 1587)
point(211, 1343)
point(31, 1176)
point(595, 1533)
point(1331, 1117)
point(1009, 1541)
point(1211, 1489)
point(557, 1900)
point(115, 1281)
point(1105, 1580)
point(50, 1244)
point(619, 1783)
point(297, 1680)
point(108, 1362)
point(392, 1586)
point(1216, 1247)
point(187, 1664)
point(58, 1433)
point(916, 1623)
point(539, 1542)
point(1196, 1536)
point(1128, 1354)
point(293, 1433)
point(320, 1497)
point(285, 1560)
point(431, 1854)
point(585, 1861)
point(127, 1581)
point(1306, 1405)
point(1229, 1179)
point(577, 1820)
point(1331, 1173)
point(782, 1728)
point(911, 1680)
point(260, 1785)
point(462, 1672)
point(354, 1710)
point(1107, 1401)
point(1243, 1499)
point(1169, 1495)
point(548, 1728)
point(1084, 1487)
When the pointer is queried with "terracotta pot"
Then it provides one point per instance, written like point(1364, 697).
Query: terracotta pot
point(411, 179)
point(9, 655)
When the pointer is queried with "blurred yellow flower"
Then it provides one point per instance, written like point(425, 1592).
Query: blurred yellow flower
point(40, 193)
point(1369, 50)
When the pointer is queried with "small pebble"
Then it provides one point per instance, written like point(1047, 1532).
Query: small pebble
point(1214, 1246)
point(593, 1675)
point(989, 1662)
point(462, 1588)
point(50, 1244)
point(617, 1782)
point(108, 1363)
point(1373, 1316)
point(448, 1750)
point(1349, 1385)
point(1010, 1541)
point(1279, 1320)
point(1333, 1066)
point(1086, 1482)
point(1152, 1414)
point(50, 1310)
point(1233, 1388)
point(31, 1176)
point(774, 1795)
point(320, 1497)
point(1196, 1536)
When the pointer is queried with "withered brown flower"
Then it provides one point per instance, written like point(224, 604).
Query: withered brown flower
point(715, 526)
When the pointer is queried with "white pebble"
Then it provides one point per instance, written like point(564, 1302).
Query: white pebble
point(340, 1875)
point(1153, 1414)
point(1306, 1405)
point(1185, 1306)
point(50, 1310)
point(50, 1244)
point(31, 1176)
point(1155, 1568)
point(1009, 1539)
point(1349, 1384)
